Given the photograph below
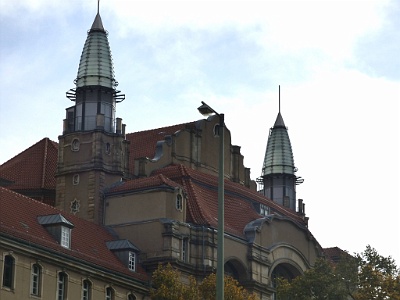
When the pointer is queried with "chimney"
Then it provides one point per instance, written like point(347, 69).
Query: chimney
point(300, 206)
point(119, 126)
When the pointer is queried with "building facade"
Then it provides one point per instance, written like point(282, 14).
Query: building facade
point(143, 198)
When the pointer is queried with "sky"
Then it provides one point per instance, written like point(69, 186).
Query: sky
point(337, 62)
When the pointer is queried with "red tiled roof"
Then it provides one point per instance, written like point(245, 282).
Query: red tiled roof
point(334, 253)
point(88, 240)
point(202, 205)
point(33, 168)
point(143, 143)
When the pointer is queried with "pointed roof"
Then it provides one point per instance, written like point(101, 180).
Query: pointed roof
point(97, 24)
point(279, 121)
point(278, 155)
point(96, 66)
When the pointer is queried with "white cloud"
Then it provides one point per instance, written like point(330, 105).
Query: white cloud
point(169, 56)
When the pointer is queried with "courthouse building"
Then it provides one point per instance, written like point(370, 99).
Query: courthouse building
point(92, 215)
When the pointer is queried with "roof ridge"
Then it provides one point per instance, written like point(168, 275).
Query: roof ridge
point(164, 127)
point(30, 147)
point(199, 207)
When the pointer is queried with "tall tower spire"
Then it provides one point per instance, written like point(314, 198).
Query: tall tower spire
point(95, 91)
point(278, 171)
point(93, 150)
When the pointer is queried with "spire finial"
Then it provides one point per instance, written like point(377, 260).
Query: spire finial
point(279, 98)
point(98, 6)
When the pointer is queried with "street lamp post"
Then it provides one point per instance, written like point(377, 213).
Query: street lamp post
point(206, 110)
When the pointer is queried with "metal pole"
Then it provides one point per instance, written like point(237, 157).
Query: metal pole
point(220, 236)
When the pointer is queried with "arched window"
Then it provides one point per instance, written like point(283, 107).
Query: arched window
point(36, 279)
point(179, 202)
point(62, 280)
point(109, 293)
point(284, 270)
point(86, 290)
point(8, 271)
point(131, 297)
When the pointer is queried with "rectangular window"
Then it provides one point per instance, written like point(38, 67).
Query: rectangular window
point(65, 237)
point(35, 277)
point(8, 271)
point(185, 247)
point(264, 210)
point(132, 261)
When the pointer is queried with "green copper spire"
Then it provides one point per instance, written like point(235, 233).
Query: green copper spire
point(278, 172)
point(96, 67)
point(95, 93)
point(278, 155)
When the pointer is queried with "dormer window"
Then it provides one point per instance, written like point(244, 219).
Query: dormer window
point(132, 261)
point(264, 210)
point(65, 237)
point(125, 251)
point(59, 227)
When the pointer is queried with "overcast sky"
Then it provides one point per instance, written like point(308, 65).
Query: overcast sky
point(337, 62)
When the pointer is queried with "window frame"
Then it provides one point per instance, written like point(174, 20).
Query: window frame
point(131, 296)
point(65, 237)
point(87, 289)
point(62, 285)
point(132, 261)
point(36, 280)
point(109, 293)
point(185, 249)
point(8, 274)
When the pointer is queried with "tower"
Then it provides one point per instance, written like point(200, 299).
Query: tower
point(93, 150)
point(278, 171)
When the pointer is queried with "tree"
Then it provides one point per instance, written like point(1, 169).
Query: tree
point(319, 283)
point(378, 277)
point(365, 276)
point(168, 286)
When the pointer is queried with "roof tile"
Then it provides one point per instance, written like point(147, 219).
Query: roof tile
point(88, 240)
point(33, 168)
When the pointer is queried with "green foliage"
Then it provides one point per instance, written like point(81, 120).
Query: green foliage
point(318, 283)
point(168, 286)
point(365, 276)
point(378, 277)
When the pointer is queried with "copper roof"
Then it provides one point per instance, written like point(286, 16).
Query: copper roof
point(278, 155)
point(96, 65)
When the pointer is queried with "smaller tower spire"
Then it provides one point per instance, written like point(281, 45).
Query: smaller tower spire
point(278, 173)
